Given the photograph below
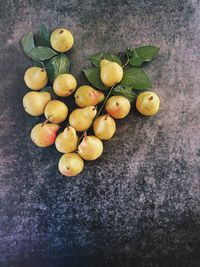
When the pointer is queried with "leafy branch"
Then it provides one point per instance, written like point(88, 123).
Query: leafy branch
point(134, 77)
point(38, 48)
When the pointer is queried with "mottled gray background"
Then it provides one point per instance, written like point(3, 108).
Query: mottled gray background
point(139, 204)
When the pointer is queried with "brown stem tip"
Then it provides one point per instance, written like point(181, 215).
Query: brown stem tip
point(151, 98)
point(85, 134)
point(61, 31)
point(45, 122)
point(107, 116)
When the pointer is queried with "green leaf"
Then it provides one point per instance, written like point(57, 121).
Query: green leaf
point(112, 58)
point(42, 37)
point(125, 91)
point(96, 58)
point(50, 90)
point(147, 53)
point(42, 53)
point(93, 76)
point(27, 43)
point(38, 64)
point(141, 54)
point(134, 59)
point(58, 65)
point(136, 78)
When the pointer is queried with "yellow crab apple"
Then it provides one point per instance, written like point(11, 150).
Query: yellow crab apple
point(35, 102)
point(81, 118)
point(56, 111)
point(70, 164)
point(90, 148)
point(35, 78)
point(118, 106)
point(67, 140)
point(61, 40)
point(111, 73)
point(148, 103)
point(88, 96)
point(104, 127)
point(44, 135)
point(64, 85)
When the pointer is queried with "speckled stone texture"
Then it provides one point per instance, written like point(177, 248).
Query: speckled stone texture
point(139, 204)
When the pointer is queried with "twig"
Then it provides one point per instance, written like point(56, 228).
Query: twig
point(104, 102)
point(83, 135)
point(126, 63)
point(45, 122)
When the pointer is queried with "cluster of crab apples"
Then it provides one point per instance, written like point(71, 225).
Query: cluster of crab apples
point(73, 141)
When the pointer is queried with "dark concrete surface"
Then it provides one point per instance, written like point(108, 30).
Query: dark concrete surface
point(139, 204)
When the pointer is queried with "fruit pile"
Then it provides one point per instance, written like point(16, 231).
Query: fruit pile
point(115, 87)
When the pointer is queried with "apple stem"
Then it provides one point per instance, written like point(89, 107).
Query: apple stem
point(85, 134)
point(108, 115)
point(45, 122)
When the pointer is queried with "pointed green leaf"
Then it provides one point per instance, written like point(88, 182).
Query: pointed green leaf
point(27, 43)
point(60, 64)
point(125, 91)
point(96, 58)
point(134, 59)
point(93, 76)
point(112, 58)
point(42, 53)
point(136, 78)
point(37, 64)
point(141, 54)
point(42, 37)
point(147, 53)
